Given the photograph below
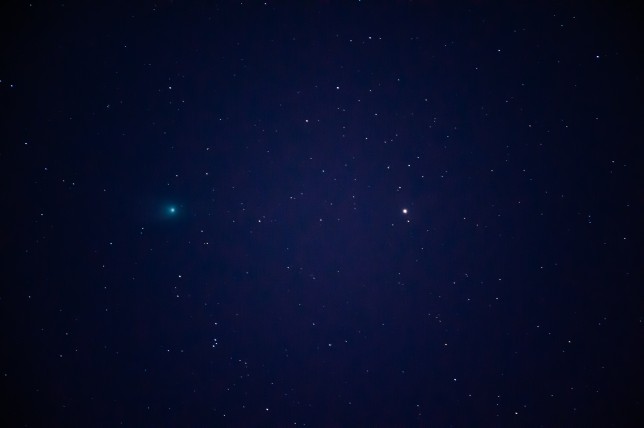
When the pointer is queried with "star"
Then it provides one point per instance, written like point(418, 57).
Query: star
point(404, 210)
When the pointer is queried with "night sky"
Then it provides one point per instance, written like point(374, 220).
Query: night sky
point(321, 214)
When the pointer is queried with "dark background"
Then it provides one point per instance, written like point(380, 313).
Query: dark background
point(288, 287)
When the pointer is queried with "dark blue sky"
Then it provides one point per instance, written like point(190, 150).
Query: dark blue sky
point(332, 214)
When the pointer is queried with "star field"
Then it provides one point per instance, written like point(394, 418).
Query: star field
point(321, 214)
